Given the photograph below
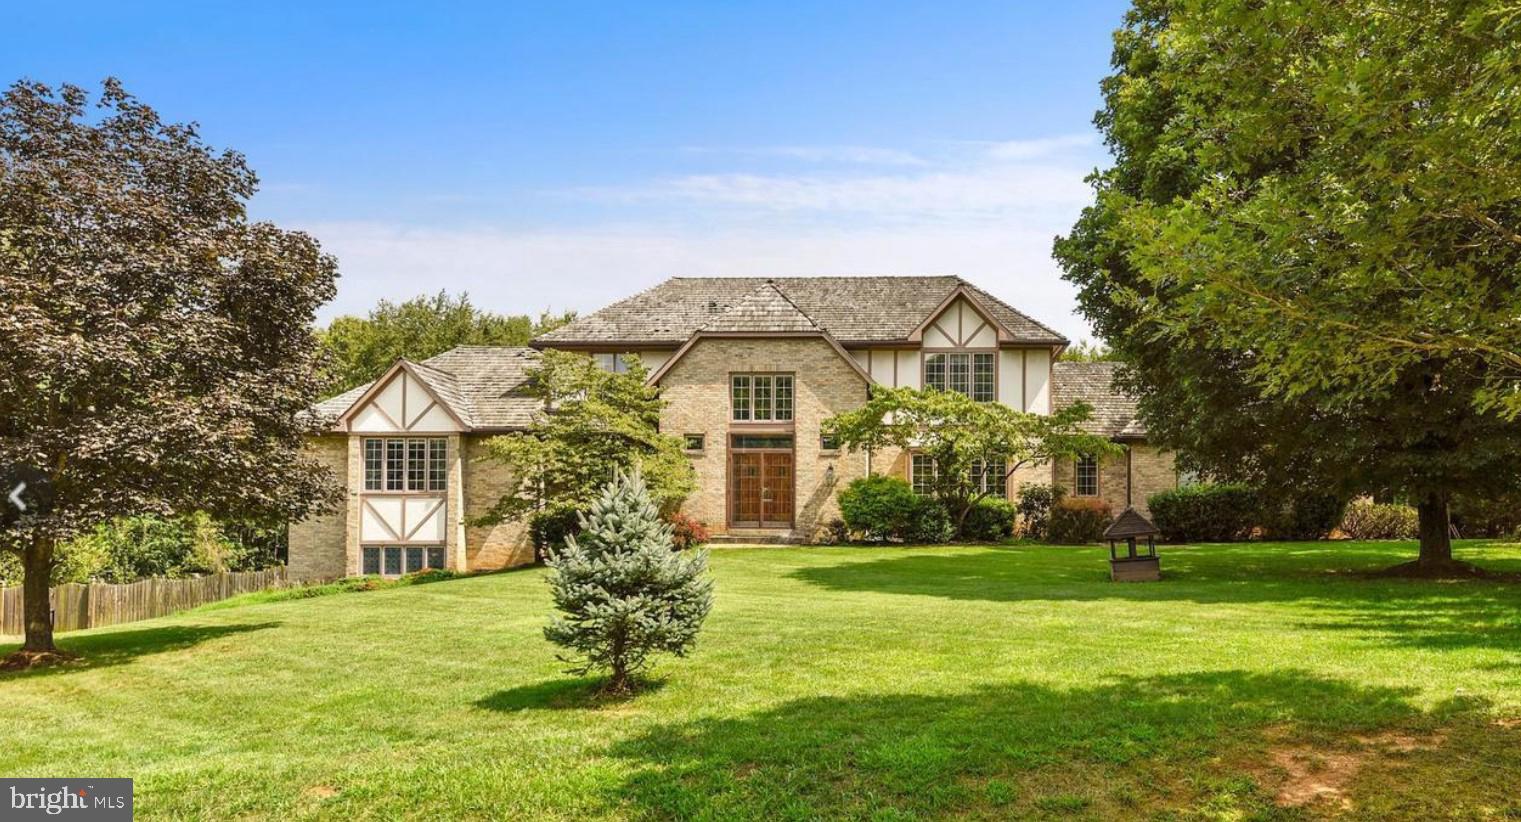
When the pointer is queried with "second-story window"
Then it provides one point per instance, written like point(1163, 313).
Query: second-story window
point(414, 464)
point(971, 373)
point(761, 397)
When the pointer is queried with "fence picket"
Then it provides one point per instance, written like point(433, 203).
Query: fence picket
point(98, 604)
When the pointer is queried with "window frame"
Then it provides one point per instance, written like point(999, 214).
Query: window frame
point(687, 440)
point(394, 465)
point(933, 473)
point(429, 557)
point(780, 397)
point(1087, 461)
point(959, 369)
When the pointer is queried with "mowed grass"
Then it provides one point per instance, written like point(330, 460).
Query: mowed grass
point(1256, 681)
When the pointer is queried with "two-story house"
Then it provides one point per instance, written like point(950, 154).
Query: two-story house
point(748, 369)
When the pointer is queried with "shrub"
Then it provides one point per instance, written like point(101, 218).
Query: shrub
point(686, 532)
point(927, 523)
point(551, 526)
point(1205, 513)
point(834, 532)
point(1366, 519)
point(1077, 521)
point(1487, 516)
point(1035, 501)
point(878, 507)
point(990, 520)
point(1309, 515)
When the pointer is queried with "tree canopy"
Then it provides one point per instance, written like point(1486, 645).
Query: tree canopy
point(595, 423)
point(966, 439)
point(362, 348)
point(156, 353)
point(1306, 251)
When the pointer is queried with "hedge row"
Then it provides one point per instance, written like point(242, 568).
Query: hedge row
point(1226, 512)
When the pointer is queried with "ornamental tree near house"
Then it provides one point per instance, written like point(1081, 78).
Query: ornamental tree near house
point(1307, 249)
point(623, 592)
point(965, 438)
point(595, 423)
point(156, 353)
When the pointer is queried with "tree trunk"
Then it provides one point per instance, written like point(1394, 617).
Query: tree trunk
point(37, 563)
point(1435, 531)
point(618, 684)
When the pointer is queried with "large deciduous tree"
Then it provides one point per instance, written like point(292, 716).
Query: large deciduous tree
point(156, 353)
point(966, 439)
point(362, 348)
point(1307, 250)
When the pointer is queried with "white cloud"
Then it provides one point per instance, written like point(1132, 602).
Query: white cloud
point(986, 210)
point(514, 271)
point(1039, 148)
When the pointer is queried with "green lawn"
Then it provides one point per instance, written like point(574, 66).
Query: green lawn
point(880, 683)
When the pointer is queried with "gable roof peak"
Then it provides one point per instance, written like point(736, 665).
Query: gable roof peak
point(767, 309)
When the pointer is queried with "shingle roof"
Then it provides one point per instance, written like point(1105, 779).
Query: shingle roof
point(482, 384)
point(852, 309)
point(1114, 412)
point(1130, 524)
point(764, 309)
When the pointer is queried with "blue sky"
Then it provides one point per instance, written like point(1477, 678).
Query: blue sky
point(554, 155)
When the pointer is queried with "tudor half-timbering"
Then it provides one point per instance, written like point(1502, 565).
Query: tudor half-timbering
point(748, 369)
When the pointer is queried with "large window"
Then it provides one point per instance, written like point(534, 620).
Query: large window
point(761, 397)
point(1087, 477)
point(990, 481)
point(970, 373)
point(395, 560)
point(413, 464)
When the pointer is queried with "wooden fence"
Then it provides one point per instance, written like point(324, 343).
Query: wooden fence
point(98, 604)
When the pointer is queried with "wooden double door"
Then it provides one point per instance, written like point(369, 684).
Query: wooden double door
point(761, 483)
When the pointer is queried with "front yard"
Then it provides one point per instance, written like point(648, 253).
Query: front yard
point(1266, 680)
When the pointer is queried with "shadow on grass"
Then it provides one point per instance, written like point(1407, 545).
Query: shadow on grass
point(561, 694)
point(1328, 580)
point(1130, 747)
point(107, 648)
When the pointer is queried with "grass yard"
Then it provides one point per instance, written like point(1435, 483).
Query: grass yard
point(1256, 681)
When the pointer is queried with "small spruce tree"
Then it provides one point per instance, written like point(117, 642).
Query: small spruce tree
point(623, 591)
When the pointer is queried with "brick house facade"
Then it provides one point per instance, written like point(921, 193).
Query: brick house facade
point(748, 369)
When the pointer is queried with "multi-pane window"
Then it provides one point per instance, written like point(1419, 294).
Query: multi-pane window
point(395, 560)
point(971, 373)
point(412, 464)
point(1087, 477)
point(761, 397)
point(923, 475)
point(616, 363)
point(989, 480)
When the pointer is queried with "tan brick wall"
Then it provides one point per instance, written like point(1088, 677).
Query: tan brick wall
point(317, 544)
point(497, 546)
point(696, 391)
point(1151, 470)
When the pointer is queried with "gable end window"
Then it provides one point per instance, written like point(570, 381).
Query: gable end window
point(1086, 482)
point(971, 373)
point(410, 464)
point(760, 397)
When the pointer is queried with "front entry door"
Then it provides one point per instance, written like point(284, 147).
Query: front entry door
point(760, 489)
